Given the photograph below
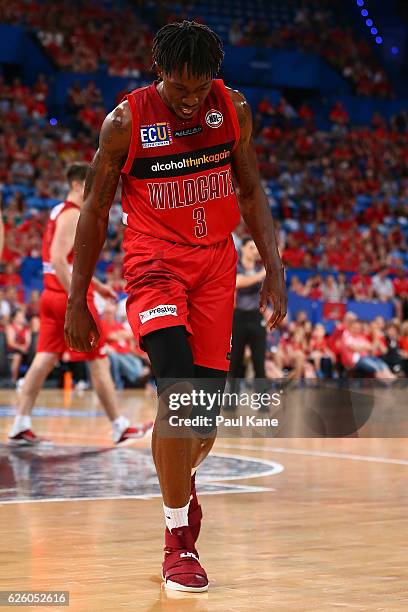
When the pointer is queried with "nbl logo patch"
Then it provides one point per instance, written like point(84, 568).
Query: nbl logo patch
point(155, 135)
point(214, 118)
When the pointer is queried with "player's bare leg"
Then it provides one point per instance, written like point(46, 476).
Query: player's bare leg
point(177, 451)
point(40, 368)
point(104, 388)
point(15, 366)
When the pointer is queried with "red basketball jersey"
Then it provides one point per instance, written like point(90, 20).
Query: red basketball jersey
point(50, 279)
point(176, 182)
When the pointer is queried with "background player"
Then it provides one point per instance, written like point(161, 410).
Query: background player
point(180, 208)
point(57, 258)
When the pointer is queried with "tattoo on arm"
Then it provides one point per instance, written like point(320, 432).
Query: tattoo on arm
point(90, 175)
point(110, 182)
point(104, 171)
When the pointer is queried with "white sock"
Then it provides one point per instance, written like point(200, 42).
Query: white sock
point(21, 423)
point(176, 517)
point(118, 426)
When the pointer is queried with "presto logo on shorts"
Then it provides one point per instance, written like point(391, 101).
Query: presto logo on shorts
point(162, 310)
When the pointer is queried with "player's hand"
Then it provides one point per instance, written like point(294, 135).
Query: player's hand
point(274, 290)
point(106, 292)
point(81, 331)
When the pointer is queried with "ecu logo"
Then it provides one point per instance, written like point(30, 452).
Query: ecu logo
point(155, 135)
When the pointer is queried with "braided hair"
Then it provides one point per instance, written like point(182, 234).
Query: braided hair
point(188, 44)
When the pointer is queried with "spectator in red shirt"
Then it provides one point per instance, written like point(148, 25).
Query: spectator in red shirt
point(320, 353)
point(293, 255)
point(403, 341)
point(125, 365)
point(357, 353)
point(339, 115)
point(18, 337)
point(401, 293)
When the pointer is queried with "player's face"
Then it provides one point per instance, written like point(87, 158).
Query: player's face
point(185, 94)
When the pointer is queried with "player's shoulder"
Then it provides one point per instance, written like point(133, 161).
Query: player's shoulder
point(63, 208)
point(66, 213)
point(116, 130)
point(235, 95)
point(241, 105)
point(120, 117)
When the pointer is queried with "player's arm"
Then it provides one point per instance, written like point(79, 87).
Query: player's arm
point(256, 213)
point(100, 187)
point(61, 247)
point(103, 289)
point(12, 344)
point(244, 281)
point(62, 244)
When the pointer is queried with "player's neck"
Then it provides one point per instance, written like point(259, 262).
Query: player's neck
point(75, 198)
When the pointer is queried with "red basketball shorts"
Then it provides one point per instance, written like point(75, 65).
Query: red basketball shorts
point(53, 305)
point(174, 284)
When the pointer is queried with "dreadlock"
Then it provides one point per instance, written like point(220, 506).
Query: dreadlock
point(187, 43)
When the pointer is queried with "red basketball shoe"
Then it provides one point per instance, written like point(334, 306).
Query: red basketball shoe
point(182, 570)
point(194, 512)
point(132, 433)
point(27, 438)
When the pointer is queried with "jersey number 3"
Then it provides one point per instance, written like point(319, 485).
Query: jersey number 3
point(200, 229)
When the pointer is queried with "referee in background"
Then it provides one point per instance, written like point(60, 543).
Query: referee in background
point(249, 326)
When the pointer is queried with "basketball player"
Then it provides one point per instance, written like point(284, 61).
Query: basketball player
point(176, 144)
point(57, 257)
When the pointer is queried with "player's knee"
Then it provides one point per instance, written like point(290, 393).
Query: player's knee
point(44, 362)
point(170, 355)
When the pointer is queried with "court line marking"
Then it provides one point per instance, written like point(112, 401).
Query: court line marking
point(275, 468)
point(311, 453)
point(243, 489)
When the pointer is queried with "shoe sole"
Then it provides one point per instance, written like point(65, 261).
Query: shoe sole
point(129, 441)
point(176, 586)
point(21, 442)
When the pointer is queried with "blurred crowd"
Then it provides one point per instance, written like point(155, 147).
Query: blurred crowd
point(300, 350)
point(19, 327)
point(315, 29)
point(86, 36)
point(339, 196)
point(101, 35)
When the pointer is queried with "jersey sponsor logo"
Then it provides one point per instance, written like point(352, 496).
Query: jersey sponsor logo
point(175, 194)
point(191, 131)
point(162, 310)
point(125, 217)
point(214, 118)
point(155, 135)
point(181, 164)
point(192, 162)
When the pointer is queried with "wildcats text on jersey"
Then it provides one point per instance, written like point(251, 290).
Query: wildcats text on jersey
point(155, 135)
point(170, 194)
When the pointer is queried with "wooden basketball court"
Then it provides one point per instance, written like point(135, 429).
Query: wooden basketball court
point(290, 524)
